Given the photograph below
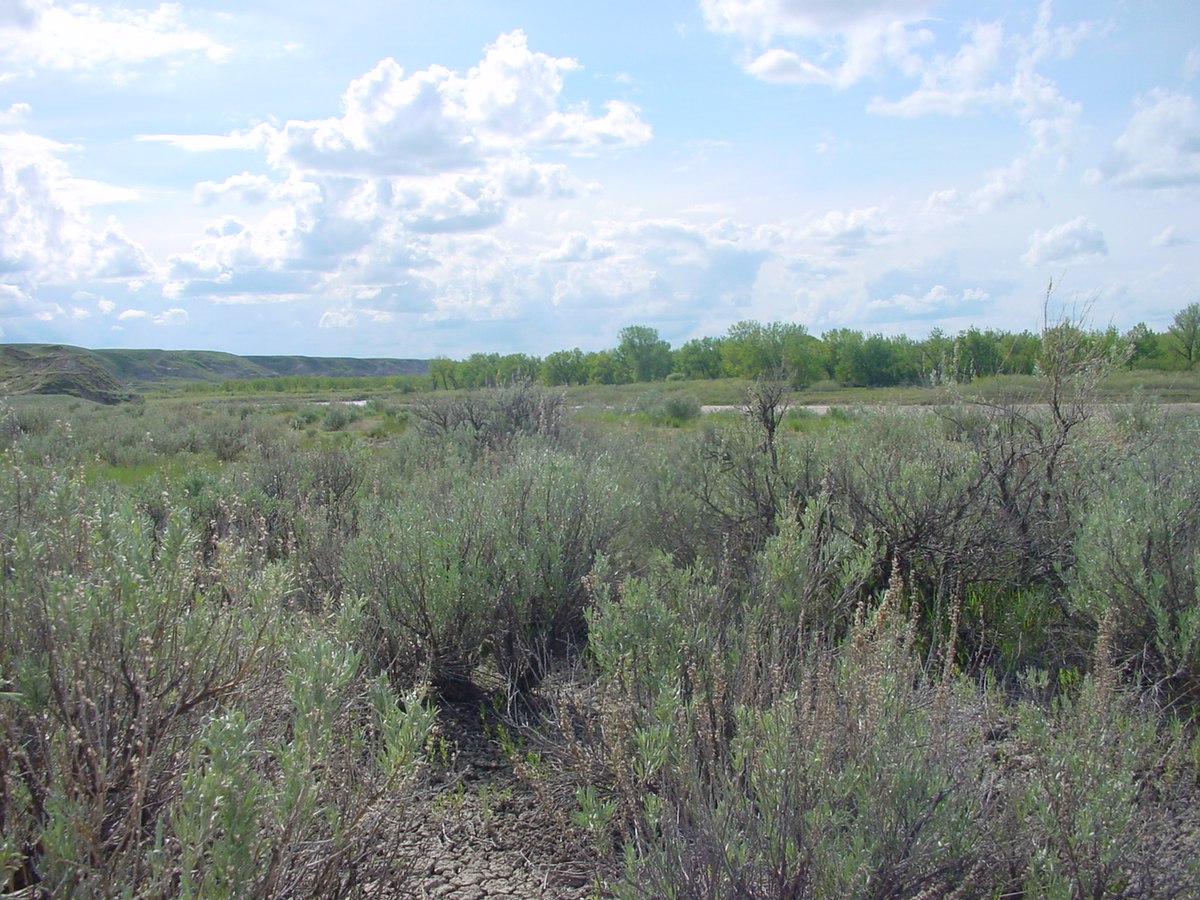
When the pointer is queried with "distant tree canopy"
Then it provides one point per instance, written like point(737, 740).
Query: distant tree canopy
point(786, 350)
point(1184, 334)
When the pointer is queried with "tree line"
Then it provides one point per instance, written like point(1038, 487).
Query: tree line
point(751, 349)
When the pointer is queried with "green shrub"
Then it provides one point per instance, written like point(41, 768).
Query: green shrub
point(668, 408)
point(458, 570)
point(1136, 565)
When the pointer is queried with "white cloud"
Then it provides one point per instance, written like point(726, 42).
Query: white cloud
point(248, 188)
point(787, 67)
point(1069, 242)
point(577, 129)
point(338, 318)
point(436, 120)
point(254, 139)
point(368, 200)
point(832, 43)
point(959, 83)
point(848, 233)
point(996, 71)
point(1191, 64)
point(173, 317)
point(764, 19)
point(16, 113)
point(578, 247)
point(45, 233)
point(113, 255)
point(1169, 237)
point(938, 300)
point(127, 315)
point(90, 37)
point(13, 301)
point(520, 177)
point(999, 72)
point(1160, 147)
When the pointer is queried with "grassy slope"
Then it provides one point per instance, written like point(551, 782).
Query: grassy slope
point(57, 369)
point(112, 375)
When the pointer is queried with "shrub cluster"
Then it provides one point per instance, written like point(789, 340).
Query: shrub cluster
point(954, 653)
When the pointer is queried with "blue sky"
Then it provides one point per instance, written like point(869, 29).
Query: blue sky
point(415, 179)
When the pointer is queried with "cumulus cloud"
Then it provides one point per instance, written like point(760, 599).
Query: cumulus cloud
point(1000, 72)
point(578, 247)
point(848, 233)
point(939, 300)
point(173, 317)
point(13, 301)
point(825, 41)
point(248, 188)
point(45, 232)
point(1160, 147)
point(1169, 237)
point(40, 34)
point(337, 318)
point(764, 19)
point(16, 112)
point(365, 204)
point(436, 120)
point(1069, 242)
point(993, 70)
point(788, 67)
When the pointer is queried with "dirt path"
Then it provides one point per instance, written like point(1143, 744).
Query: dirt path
point(485, 829)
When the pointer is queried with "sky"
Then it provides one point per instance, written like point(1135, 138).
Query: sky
point(416, 179)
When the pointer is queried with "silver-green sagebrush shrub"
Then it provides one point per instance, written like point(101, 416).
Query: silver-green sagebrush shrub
point(1098, 797)
point(1136, 565)
point(165, 729)
point(111, 654)
point(833, 779)
point(487, 566)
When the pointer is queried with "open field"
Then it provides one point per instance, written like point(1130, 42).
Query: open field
point(516, 643)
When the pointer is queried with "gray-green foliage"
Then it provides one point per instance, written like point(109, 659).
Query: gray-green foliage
point(462, 567)
point(1136, 563)
point(164, 717)
point(217, 652)
point(490, 419)
point(668, 408)
point(753, 761)
point(754, 765)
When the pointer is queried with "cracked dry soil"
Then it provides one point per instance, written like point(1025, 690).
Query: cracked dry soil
point(488, 828)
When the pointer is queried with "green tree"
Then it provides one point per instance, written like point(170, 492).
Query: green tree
point(1184, 334)
point(977, 354)
point(563, 367)
point(516, 366)
point(754, 350)
point(604, 368)
point(935, 357)
point(843, 346)
point(444, 373)
point(700, 358)
point(644, 356)
point(1145, 347)
point(1019, 352)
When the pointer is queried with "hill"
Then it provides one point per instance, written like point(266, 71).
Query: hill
point(109, 376)
point(57, 369)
